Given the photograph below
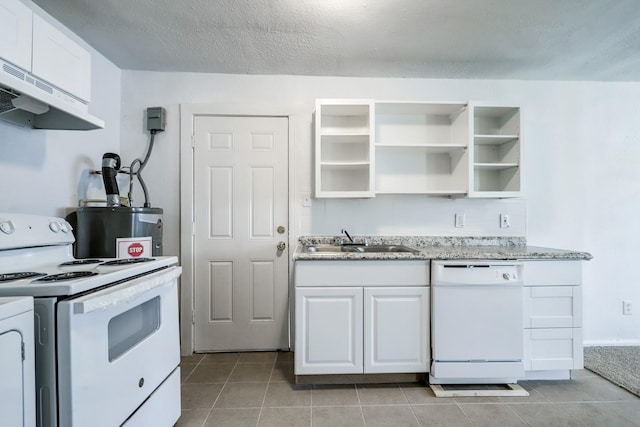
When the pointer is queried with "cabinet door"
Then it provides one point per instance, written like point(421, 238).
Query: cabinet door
point(553, 349)
point(11, 386)
point(396, 329)
point(60, 61)
point(328, 331)
point(15, 33)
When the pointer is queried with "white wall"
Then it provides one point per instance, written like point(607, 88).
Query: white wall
point(46, 171)
point(581, 178)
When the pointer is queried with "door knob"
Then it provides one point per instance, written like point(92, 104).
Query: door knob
point(281, 246)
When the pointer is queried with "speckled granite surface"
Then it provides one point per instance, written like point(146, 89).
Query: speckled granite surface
point(440, 248)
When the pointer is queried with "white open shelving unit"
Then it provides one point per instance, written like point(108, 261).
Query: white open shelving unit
point(497, 153)
point(344, 154)
point(421, 148)
point(366, 147)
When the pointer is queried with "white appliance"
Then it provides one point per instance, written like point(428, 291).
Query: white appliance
point(17, 363)
point(477, 334)
point(106, 331)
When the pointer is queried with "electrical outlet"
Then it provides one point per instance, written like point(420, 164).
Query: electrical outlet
point(505, 221)
point(626, 308)
point(459, 220)
point(306, 199)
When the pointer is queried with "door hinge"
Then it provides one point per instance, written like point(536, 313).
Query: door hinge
point(193, 317)
point(193, 141)
point(193, 228)
point(22, 349)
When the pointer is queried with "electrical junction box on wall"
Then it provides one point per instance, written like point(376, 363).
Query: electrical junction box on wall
point(156, 119)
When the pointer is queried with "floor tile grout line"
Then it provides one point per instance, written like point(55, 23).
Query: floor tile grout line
point(364, 420)
point(517, 414)
point(410, 405)
point(220, 393)
point(266, 390)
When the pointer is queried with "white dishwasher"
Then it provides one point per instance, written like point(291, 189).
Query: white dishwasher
point(476, 322)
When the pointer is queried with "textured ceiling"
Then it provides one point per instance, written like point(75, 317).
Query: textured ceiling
point(501, 39)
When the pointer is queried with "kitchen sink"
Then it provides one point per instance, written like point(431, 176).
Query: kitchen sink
point(360, 249)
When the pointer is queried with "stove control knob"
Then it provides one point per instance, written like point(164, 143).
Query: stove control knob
point(7, 227)
point(54, 226)
point(65, 227)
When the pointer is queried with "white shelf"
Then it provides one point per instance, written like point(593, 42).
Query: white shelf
point(419, 108)
point(494, 139)
point(453, 192)
point(341, 133)
point(430, 148)
point(495, 166)
point(345, 163)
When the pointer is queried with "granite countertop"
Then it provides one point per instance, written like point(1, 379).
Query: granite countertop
point(478, 248)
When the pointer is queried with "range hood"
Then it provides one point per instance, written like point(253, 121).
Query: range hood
point(28, 101)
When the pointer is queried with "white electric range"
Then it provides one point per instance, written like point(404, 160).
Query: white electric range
point(106, 331)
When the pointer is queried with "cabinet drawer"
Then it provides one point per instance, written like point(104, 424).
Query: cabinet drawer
point(552, 307)
point(553, 349)
point(362, 273)
point(552, 273)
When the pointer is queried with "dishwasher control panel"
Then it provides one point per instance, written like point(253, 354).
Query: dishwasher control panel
point(507, 275)
point(476, 272)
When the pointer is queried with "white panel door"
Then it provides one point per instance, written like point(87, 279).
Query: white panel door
point(328, 331)
point(396, 329)
point(15, 33)
point(241, 201)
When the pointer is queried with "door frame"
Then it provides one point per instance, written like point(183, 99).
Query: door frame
point(188, 114)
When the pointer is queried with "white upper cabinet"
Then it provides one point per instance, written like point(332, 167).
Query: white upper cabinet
point(34, 45)
point(344, 148)
point(60, 61)
point(421, 148)
point(496, 168)
point(15, 33)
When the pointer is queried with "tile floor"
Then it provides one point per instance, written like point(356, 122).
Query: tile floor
point(257, 390)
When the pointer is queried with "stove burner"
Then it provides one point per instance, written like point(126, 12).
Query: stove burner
point(125, 261)
point(8, 277)
point(66, 276)
point(80, 262)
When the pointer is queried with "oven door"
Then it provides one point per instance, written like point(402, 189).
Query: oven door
point(115, 347)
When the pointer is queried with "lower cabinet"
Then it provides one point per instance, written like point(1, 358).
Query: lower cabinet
point(354, 330)
point(553, 315)
point(396, 329)
point(328, 331)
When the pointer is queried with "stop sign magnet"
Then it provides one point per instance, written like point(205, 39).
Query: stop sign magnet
point(133, 247)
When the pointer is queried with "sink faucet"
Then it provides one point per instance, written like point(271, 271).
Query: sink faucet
point(346, 233)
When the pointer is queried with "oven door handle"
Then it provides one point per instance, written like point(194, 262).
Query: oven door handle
point(125, 292)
